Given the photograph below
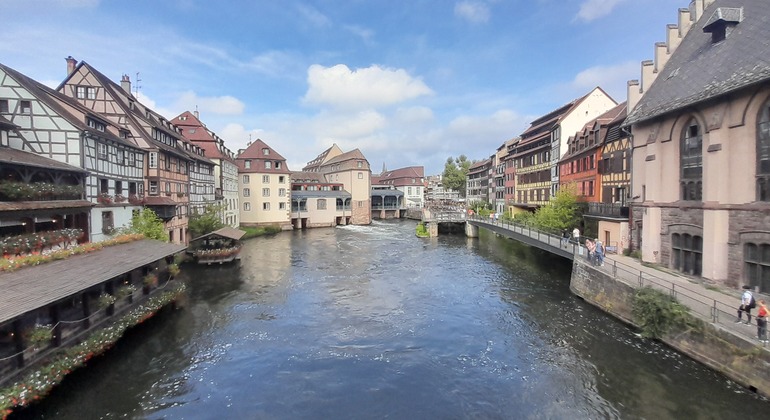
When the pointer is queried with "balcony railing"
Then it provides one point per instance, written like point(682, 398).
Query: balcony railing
point(607, 209)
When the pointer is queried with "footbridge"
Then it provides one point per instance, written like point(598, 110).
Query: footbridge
point(457, 218)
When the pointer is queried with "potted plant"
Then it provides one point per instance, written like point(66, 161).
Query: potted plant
point(106, 300)
point(39, 335)
point(126, 291)
point(173, 270)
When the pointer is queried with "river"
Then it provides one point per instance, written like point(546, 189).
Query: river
point(363, 322)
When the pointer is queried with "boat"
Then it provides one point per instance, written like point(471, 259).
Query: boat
point(217, 247)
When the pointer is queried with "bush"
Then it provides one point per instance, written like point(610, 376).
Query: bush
point(39, 335)
point(106, 299)
point(422, 231)
point(657, 313)
point(173, 269)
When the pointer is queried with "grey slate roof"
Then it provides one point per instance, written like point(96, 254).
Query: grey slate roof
point(699, 70)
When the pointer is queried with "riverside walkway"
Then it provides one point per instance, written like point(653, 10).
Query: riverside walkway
point(714, 304)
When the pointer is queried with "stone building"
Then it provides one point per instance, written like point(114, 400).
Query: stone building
point(265, 184)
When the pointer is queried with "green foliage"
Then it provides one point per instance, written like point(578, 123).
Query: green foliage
point(39, 335)
point(657, 313)
point(106, 299)
point(562, 212)
point(173, 269)
point(455, 171)
point(253, 232)
point(147, 223)
point(24, 191)
point(422, 231)
point(207, 221)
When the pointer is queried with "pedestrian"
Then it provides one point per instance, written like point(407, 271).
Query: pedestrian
point(576, 235)
point(599, 252)
point(762, 322)
point(747, 302)
point(564, 238)
point(591, 247)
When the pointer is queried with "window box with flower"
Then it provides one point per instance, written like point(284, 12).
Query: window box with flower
point(104, 198)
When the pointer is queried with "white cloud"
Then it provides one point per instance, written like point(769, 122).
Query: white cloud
point(368, 87)
point(222, 105)
point(313, 15)
point(612, 78)
point(414, 115)
point(474, 12)
point(365, 34)
point(594, 9)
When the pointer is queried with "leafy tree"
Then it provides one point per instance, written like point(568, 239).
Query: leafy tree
point(207, 221)
point(455, 171)
point(560, 213)
point(146, 222)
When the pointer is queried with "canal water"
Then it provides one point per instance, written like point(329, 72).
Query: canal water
point(371, 322)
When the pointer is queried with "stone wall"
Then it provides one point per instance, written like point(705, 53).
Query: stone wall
point(745, 227)
point(678, 220)
point(741, 360)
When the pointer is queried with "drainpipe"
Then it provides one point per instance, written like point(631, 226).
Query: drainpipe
point(630, 194)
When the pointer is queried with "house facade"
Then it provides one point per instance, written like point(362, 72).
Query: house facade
point(225, 170)
point(477, 183)
point(409, 180)
point(54, 126)
point(353, 171)
point(701, 150)
point(265, 184)
point(316, 202)
point(166, 176)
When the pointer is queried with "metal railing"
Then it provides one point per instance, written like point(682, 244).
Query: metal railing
point(708, 305)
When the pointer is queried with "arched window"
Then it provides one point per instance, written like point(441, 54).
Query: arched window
point(687, 253)
point(691, 162)
point(763, 153)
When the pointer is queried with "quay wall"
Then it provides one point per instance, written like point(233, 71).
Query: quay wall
point(743, 361)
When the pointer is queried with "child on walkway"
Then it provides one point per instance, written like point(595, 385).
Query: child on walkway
point(762, 322)
point(746, 299)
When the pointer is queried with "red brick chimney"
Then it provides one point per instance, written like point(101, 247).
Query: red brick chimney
point(71, 63)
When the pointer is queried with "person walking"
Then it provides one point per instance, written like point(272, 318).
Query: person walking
point(564, 238)
point(591, 248)
point(599, 252)
point(576, 235)
point(762, 322)
point(747, 302)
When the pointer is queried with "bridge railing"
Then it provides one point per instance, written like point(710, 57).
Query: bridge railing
point(702, 303)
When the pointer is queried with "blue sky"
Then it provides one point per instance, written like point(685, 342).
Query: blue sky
point(407, 82)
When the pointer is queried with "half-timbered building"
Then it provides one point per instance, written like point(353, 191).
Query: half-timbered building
point(166, 174)
point(57, 127)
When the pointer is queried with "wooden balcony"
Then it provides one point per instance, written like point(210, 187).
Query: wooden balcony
point(609, 210)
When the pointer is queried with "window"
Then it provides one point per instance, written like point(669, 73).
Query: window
point(108, 223)
point(281, 206)
point(321, 204)
point(756, 262)
point(246, 192)
point(265, 192)
point(265, 151)
point(281, 179)
point(101, 151)
point(25, 107)
point(4, 106)
point(266, 206)
point(691, 162)
point(247, 164)
point(118, 187)
point(687, 253)
point(268, 164)
point(153, 187)
point(281, 192)
point(85, 92)
point(168, 188)
point(153, 160)
point(265, 179)
point(763, 154)
point(104, 186)
point(277, 165)
point(360, 164)
point(360, 175)
point(245, 179)
point(167, 163)
point(247, 206)
point(409, 191)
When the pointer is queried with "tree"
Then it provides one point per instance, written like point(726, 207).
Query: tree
point(147, 223)
point(560, 213)
point(455, 172)
point(207, 221)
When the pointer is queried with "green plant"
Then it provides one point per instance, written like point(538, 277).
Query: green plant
point(207, 221)
point(147, 223)
point(150, 280)
point(105, 300)
point(39, 334)
point(422, 231)
point(173, 269)
point(657, 313)
point(125, 291)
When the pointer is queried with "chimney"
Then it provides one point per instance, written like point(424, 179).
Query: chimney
point(197, 115)
point(125, 83)
point(71, 63)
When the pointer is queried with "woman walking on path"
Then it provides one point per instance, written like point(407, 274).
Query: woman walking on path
point(762, 322)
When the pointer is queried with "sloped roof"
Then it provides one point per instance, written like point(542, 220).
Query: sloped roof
point(195, 131)
point(255, 153)
point(322, 158)
point(226, 232)
point(353, 154)
point(57, 101)
point(4, 123)
point(304, 176)
point(408, 172)
point(700, 70)
point(20, 157)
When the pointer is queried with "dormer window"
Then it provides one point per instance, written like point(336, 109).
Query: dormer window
point(265, 151)
point(247, 164)
point(95, 124)
point(722, 22)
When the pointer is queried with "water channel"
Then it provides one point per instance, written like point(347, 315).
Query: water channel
point(366, 322)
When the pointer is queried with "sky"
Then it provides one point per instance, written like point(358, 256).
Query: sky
point(406, 82)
